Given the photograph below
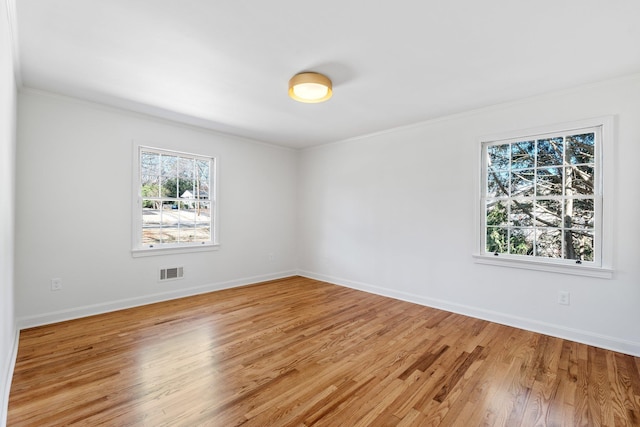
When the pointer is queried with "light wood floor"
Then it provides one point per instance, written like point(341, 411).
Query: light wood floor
point(300, 352)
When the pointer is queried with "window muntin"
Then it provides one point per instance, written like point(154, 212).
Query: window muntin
point(176, 200)
point(541, 197)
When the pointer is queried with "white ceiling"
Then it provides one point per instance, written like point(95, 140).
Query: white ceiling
point(225, 64)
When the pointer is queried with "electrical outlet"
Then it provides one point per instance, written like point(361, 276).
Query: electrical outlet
point(271, 256)
point(56, 284)
point(563, 297)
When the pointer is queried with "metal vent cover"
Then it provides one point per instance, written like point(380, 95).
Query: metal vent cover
point(171, 273)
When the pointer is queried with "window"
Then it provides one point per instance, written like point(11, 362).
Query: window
point(542, 199)
point(175, 201)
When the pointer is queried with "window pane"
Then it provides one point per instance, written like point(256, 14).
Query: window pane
point(202, 179)
point(522, 183)
point(150, 235)
point(549, 182)
point(498, 184)
point(580, 212)
point(499, 156)
point(521, 241)
point(202, 190)
point(150, 187)
point(579, 245)
point(202, 233)
point(169, 166)
point(548, 213)
point(184, 221)
point(187, 234)
point(203, 222)
point(523, 155)
point(170, 223)
point(521, 213)
point(151, 219)
point(580, 148)
point(550, 151)
point(149, 163)
point(496, 213)
point(169, 187)
point(497, 239)
point(549, 243)
point(579, 180)
point(202, 169)
point(150, 179)
point(185, 168)
point(186, 188)
point(203, 212)
point(150, 213)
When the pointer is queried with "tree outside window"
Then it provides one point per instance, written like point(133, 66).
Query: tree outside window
point(540, 196)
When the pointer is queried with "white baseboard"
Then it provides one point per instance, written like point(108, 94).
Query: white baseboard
point(7, 375)
point(559, 331)
point(90, 310)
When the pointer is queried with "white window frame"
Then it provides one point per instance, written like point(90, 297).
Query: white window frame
point(603, 193)
point(141, 250)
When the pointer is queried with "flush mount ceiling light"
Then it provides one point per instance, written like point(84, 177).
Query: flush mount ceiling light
point(310, 87)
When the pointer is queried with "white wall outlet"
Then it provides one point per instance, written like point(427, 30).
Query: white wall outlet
point(563, 297)
point(271, 256)
point(56, 284)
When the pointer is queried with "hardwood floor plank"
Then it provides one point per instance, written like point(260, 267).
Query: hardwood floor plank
point(545, 386)
point(299, 352)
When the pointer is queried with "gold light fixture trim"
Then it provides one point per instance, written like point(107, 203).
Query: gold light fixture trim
point(310, 87)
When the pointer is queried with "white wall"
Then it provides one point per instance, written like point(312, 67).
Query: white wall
point(394, 214)
point(368, 212)
point(74, 180)
point(7, 184)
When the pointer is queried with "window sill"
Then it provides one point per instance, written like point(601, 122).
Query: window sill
point(577, 269)
point(144, 252)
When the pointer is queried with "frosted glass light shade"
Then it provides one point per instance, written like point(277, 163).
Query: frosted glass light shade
point(310, 87)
